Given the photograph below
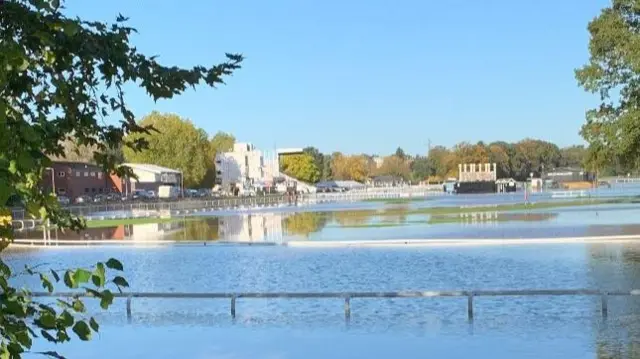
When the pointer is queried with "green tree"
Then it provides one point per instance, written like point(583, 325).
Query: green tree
point(301, 166)
point(176, 143)
point(221, 142)
point(573, 156)
point(421, 168)
point(499, 153)
point(61, 76)
point(612, 72)
point(318, 157)
point(439, 161)
point(400, 153)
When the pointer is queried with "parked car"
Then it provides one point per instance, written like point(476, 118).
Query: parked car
point(99, 198)
point(64, 200)
point(82, 199)
point(139, 194)
point(151, 194)
point(113, 197)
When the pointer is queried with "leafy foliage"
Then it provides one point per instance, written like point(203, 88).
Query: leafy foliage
point(175, 143)
point(349, 167)
point(61, 78)
point(301, 166)
point(613, 72)
point(394, 166)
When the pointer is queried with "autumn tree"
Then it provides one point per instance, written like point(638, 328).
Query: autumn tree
point(394, 166)
point(61, 76)
point(612, 129)
point(175, 143)
point(300, 166)
point(349, 167)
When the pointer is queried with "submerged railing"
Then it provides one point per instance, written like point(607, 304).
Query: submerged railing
point(347, 296)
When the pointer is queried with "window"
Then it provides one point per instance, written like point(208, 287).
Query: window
point(246, 161)
point(100, 190)
point(86, 190)
point(86, 174)
point(62, 190)
point(93, 190)
point(93, 174)
point(100, 175)
point(61, 174)
point(261, 161)
point(77, 173)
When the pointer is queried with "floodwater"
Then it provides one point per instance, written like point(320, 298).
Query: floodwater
point(511, 327)
point(366, 221)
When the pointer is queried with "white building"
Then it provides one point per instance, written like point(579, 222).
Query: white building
point(246, 165)
point(150, 177)
point(257, 227)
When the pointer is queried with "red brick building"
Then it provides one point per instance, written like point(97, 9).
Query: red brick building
point(73, 179)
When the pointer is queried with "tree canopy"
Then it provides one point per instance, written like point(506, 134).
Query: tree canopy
point(300, 166)
point(175, 143)
point(62, 76)
point(612, 129)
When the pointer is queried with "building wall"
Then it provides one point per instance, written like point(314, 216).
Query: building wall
point(477, 172)
point(73, 179)
point(244, 165)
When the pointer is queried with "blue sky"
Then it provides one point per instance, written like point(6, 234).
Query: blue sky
point(367, 76)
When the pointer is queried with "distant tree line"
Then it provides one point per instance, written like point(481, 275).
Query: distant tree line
point(516, 160)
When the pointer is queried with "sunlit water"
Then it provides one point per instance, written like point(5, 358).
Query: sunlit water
point(514, 327)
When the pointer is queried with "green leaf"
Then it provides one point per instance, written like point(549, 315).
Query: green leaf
point(78, 305)
point(94, 325)
point(81, 276)
point(23, 338)
point(82, 330)
point(69, 281)
point(106, 299)
point(46, 321)
point(13, 167)
point(115, 264)
point(48, 336)
point(98, 277)
point(55, 275)
point(46, 284)
point(120, 281)
point(24, 65)
point(66, 319)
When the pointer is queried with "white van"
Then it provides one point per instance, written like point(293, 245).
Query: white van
point(168, 192)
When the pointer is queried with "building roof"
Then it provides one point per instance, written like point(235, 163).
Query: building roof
point(76, 165)
point(150, 168)
point(339, 184)
point(387, 178)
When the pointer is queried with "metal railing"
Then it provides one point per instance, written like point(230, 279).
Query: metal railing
point(347, 296)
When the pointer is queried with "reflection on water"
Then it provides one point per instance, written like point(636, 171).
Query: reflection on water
point(386, 222)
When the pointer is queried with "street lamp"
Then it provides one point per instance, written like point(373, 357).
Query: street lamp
point(53, 179)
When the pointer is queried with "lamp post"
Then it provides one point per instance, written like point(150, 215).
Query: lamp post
point(53, 179)
point(181, 184)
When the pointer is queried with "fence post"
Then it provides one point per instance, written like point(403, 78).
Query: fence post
point(470, 307)
point(129, 309)
point(605, 307)
point(347, 308)
point(233, 307)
